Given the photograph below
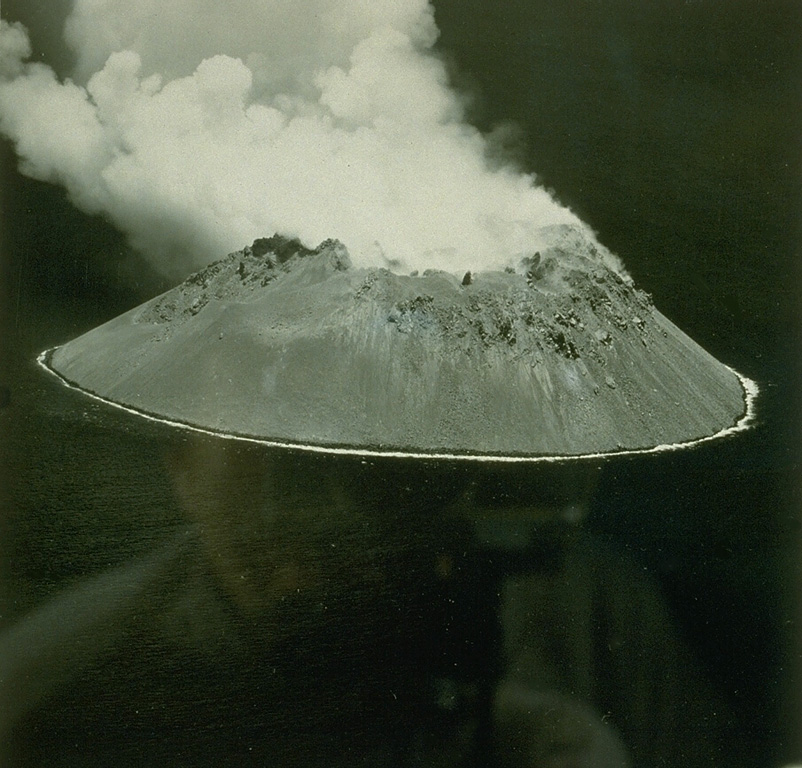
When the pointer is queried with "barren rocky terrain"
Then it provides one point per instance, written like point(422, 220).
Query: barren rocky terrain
point(560, 355)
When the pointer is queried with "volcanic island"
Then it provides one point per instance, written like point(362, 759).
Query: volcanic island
point(557, 358)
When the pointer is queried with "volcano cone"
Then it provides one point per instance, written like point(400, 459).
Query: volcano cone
point(561, 358)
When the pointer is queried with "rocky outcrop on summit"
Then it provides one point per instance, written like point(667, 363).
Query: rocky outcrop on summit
point(562, 356)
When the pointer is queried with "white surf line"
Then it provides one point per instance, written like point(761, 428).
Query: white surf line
point(750, 391)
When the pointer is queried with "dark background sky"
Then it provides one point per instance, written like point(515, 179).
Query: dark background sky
point(674, 129)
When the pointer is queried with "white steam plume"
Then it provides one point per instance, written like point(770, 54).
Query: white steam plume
point(197, 126)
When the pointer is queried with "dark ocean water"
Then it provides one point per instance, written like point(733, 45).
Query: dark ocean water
point(218, 624)
point(172, 599)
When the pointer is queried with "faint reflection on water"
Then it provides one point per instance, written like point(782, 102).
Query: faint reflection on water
point(187, 600)
point(175, 599)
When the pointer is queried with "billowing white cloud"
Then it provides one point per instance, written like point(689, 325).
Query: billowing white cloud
point(196, 131)
point(283, 43)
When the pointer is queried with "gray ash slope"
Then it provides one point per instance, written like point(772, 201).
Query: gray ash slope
point(562, 357)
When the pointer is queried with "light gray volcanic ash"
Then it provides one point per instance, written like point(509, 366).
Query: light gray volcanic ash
point(563, 357)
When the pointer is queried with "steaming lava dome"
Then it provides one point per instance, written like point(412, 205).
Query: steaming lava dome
point(562, 357)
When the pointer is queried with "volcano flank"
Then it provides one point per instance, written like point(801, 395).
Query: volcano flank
point(561, 357)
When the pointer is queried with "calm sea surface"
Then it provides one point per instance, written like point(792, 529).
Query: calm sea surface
point(171, 599)
point(175, 599)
